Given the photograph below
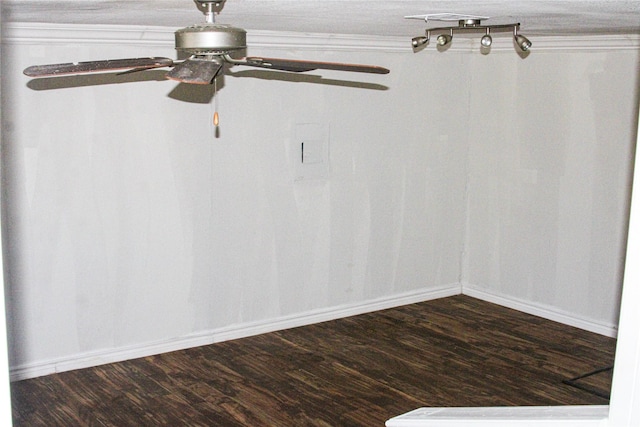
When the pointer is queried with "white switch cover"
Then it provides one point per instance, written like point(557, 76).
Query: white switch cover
point(310, 151)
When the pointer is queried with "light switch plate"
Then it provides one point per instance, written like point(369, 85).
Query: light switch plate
point(310, 148)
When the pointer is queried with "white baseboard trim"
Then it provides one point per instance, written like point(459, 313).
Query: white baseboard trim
point(101, 357)
point(540, 310)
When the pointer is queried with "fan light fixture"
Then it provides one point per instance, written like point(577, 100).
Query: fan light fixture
point(469, 23)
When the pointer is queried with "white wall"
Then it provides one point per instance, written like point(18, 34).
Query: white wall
point(550, 148)
point(130, 224)
point(5, 390)
point(131, 228)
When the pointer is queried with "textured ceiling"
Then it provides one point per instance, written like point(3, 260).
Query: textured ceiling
point(366, 17)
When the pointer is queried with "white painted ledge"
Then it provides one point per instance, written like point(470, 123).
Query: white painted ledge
point(519, 416)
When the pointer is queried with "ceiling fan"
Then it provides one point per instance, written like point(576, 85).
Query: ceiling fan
point(209, 46)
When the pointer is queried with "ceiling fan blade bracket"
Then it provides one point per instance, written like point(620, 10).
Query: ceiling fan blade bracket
point(196, 70)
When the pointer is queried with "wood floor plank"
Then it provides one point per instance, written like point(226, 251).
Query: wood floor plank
point(357, 371)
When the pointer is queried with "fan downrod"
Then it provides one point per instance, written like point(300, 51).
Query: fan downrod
point(209, 7)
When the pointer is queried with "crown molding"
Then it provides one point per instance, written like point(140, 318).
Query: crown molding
point(317, 41)
point(42, 33)
point(132, 35)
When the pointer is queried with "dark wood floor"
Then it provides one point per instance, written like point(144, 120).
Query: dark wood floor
point(357, 371)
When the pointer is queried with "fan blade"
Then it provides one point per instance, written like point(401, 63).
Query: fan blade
point(195, 71)
point(297, 66)
point(97, 66)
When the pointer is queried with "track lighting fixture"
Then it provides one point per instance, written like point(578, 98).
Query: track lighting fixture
point(472, 24)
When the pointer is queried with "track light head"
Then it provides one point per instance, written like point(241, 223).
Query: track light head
point(522, 42)
point(419, 41)
point(444, 39)
point(486, 40)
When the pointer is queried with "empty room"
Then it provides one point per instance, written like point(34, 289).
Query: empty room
point(323, 213)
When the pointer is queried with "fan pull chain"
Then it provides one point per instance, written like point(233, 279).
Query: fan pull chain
point(216, 117)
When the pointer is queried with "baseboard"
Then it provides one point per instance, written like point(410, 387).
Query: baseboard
point(541, 310)
point(96, 358)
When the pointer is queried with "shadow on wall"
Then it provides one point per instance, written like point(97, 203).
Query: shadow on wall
point(307, 78)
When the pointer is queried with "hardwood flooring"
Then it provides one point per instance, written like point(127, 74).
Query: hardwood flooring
point(357, 371)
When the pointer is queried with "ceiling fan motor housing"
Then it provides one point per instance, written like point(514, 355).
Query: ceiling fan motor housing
point(210, 39)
